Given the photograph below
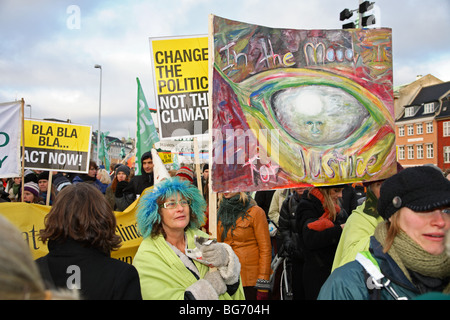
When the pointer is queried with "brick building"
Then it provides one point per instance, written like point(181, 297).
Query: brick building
point(423, 128)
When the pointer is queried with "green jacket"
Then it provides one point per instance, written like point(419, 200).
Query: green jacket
point(162, 274)
point(355, 236)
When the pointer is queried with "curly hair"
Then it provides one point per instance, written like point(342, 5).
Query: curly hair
point(82, 213)
point(148, 212)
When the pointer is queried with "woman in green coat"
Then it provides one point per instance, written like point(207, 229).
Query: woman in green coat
point(406, 257)
point(174, 261)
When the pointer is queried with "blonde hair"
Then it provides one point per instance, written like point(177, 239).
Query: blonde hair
point(328, 202)
point(393, 228)
point(104, 176)
point(243, 197)
point(19, 275)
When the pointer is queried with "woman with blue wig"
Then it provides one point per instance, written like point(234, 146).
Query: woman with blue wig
point(176, 260)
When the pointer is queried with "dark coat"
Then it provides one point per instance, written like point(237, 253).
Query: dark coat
point(287, 227)
point(136, 185)
point(101, 277)
point(318, 247)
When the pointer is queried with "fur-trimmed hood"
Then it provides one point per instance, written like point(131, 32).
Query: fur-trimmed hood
point(147, 211)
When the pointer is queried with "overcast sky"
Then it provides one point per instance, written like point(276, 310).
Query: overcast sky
point(51, 65)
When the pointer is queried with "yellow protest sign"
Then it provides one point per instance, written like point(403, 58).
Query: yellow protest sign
point(166, 157)
point(57, 146)
point(181, 85)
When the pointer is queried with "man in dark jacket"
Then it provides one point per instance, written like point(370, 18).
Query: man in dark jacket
point(129, 192)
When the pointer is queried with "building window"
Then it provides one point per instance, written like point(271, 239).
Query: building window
point(401, 131)
point(410, 129)
point(429, 127)
point(446, 127)
point(419, 149)
point(401, 152)
point(419, 128)
point(446, 154)
point(410, 152)
point(430, 151)
point(428, 108)
point(409, 112)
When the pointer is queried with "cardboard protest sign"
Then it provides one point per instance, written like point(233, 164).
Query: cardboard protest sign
point(294, 107)
point(181, 85)
point(57, 146)
point(10, 132)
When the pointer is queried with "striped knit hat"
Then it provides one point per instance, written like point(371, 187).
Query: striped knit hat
point(187, 173)
point(32, 187)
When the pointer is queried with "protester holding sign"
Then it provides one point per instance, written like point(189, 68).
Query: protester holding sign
point(43, 187)
point(80, 230)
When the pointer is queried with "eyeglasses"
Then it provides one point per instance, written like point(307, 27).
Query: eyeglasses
point(174, 204)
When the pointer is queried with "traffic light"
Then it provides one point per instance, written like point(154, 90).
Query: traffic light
point(345, 14)
point(368, 20)
point(350, 25)
point(365, 20)
point(364, 7)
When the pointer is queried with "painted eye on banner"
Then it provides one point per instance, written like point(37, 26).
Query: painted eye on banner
point(319, 115)
point(312, 108)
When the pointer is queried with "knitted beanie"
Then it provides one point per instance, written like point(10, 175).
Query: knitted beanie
point(124, 169)
point(32, 187)
point(417, 188)
point(60, 181)
point(186, 173)
point(44, 175)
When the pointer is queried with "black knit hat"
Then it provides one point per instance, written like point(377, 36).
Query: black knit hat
point(417, 188)
point(123, 168)
point(43, 175)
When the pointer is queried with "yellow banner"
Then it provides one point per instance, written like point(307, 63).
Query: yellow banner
point(29, 219)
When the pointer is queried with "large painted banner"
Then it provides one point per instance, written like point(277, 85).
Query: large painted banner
point(57, 146)
point(181, 85)
point(292, 107)
point(10, 132)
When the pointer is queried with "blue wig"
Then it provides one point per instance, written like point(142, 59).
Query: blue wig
point(147, 213)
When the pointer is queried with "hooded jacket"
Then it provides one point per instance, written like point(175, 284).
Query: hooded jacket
point(137, 185)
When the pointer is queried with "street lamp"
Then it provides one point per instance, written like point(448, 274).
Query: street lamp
point(99, 113)
point(29, 105)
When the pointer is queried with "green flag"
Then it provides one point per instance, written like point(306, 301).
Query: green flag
point(146, 135)
point(103, 150)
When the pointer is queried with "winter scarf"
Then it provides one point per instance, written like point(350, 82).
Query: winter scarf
point(410, 256)
point(230, 211)
point(324, 221)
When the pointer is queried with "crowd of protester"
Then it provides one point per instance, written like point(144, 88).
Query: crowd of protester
point(334, 240)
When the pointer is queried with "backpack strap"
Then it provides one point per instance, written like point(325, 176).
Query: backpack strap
point(374, 278)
